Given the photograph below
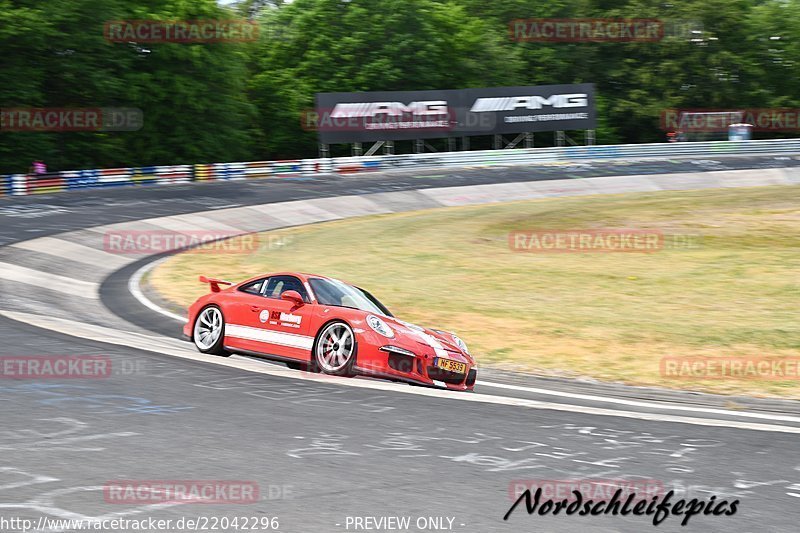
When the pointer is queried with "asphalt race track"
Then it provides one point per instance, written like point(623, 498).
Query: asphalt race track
point(327, 451)
point(34, 216)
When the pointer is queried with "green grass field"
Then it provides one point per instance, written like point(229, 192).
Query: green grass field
point(732, 289)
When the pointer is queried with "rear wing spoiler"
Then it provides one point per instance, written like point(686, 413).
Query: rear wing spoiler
point(215, 283)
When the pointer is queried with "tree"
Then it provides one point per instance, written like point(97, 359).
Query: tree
point(367, 45)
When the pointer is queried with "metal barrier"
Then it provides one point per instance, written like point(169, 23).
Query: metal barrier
point(230, 171)
point(21, 184)
point(258, 169)
point(562, 155)
point(288, 168)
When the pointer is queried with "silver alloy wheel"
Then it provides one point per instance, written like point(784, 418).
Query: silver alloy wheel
point(207, 328)
point(335, 347)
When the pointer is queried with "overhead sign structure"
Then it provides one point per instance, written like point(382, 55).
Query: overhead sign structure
point(407, 115)
point(532, 109)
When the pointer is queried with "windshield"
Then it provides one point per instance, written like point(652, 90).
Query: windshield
point(339, 294)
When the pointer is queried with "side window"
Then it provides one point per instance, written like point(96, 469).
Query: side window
point(253, 287)
point(277, 285)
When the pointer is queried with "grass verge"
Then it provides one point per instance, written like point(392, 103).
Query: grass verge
point(725, 284)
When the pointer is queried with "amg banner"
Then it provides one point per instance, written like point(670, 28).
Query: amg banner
point(405, 115)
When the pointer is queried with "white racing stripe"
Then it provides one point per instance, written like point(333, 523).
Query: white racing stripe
point(434, 343)
point(53, 282)
point(174, 347)
point(292, 340)
point(431, 341)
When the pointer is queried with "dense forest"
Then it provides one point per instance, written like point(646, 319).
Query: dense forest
point(236, 101)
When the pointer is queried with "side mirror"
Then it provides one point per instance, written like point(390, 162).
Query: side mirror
point(292, 296)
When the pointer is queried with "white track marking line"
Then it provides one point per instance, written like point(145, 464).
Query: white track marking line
point(54, 282)
point(74, 252)
point(639, 403)
point(165, 345)
point(134, 287)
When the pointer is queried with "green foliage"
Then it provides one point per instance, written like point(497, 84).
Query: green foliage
point(205, 102)
point(192, 96)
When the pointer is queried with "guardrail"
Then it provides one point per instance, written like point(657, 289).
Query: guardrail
point(22, 184)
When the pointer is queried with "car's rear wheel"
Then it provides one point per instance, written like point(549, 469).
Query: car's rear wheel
point(209, 331)
point(335, 349)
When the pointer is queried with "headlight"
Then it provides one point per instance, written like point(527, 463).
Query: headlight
point(460, 344)
point(379, 326)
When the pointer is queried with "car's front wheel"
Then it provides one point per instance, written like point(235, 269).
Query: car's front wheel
point(209, 331)
point(335, 349)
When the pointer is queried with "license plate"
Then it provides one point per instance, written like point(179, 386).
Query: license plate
point(451, 366)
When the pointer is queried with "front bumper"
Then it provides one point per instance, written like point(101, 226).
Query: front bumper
point(412, 368)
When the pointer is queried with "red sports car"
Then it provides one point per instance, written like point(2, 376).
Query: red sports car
point(326, 325)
